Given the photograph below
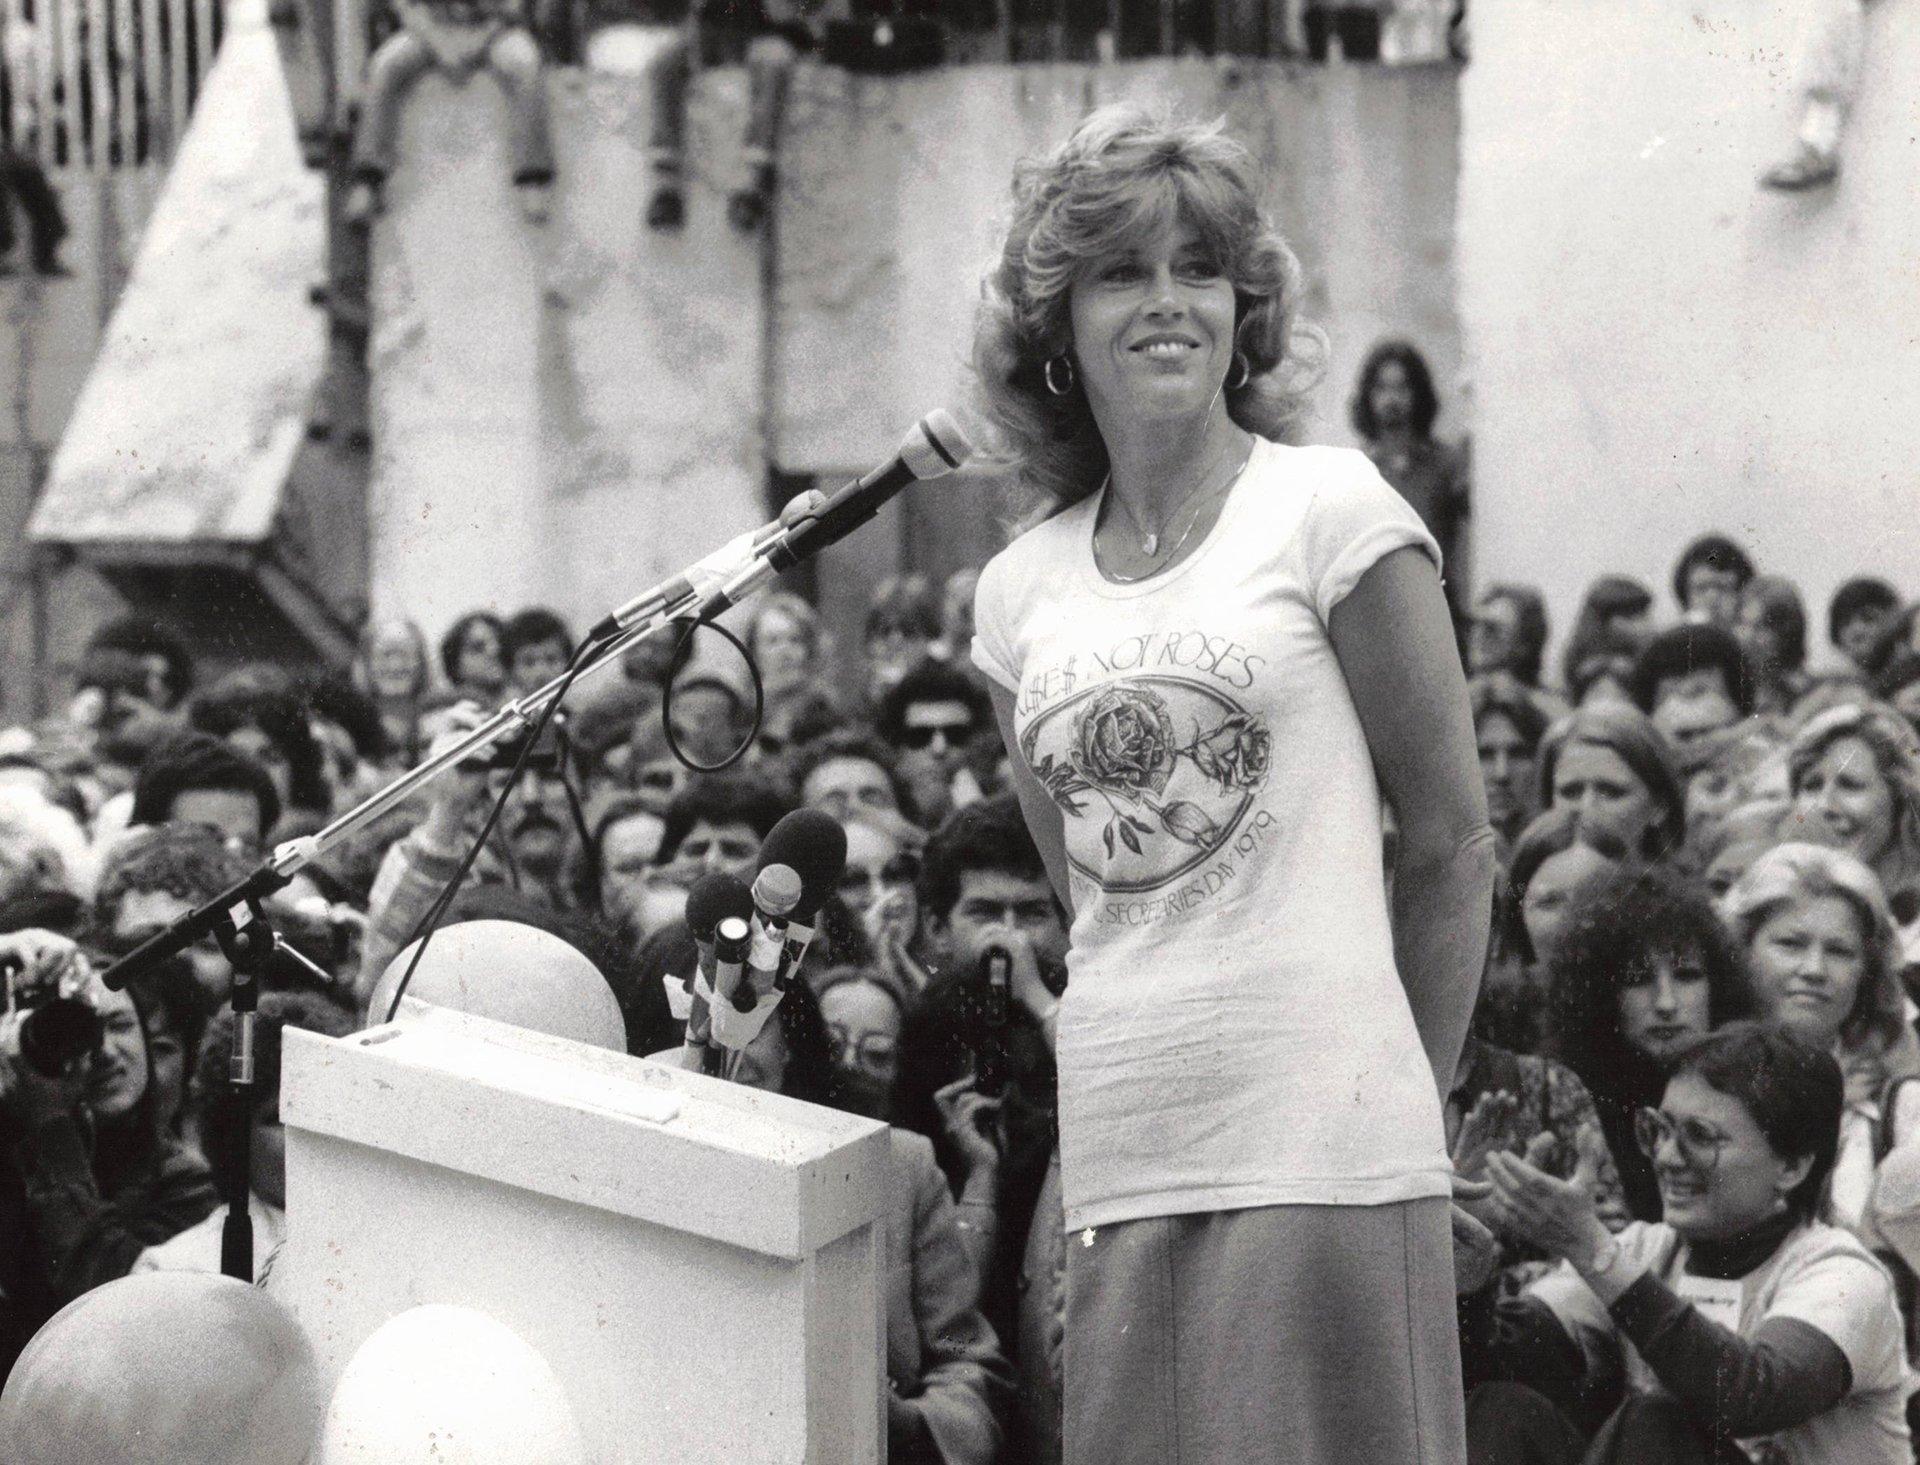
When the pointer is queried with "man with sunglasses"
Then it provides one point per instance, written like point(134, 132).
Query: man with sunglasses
point(928, 718)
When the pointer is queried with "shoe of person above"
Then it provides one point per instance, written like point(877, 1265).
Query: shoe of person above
point(667, 209)
point(746, 208)
point(1809, 167)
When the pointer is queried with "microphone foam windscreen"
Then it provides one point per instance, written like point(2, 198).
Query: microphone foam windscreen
point(936, 446)
point(776, 890)
point(812, 842)
point(713, 898)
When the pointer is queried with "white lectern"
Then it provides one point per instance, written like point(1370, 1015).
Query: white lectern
point(701, 1263)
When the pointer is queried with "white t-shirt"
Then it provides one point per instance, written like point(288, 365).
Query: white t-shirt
point(1234, 1032)
point(1821, 1275)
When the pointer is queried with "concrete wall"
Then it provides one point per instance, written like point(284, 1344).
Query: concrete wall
point(563, 413)
point(899, 189)
point(568, 413)
point(1659, 347)
point(49, 332)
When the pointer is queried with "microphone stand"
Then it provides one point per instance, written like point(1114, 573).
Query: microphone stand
point(740, 569)
point(236, 919)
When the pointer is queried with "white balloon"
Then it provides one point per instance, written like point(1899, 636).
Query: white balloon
point(441, 1385)
point(512, 973)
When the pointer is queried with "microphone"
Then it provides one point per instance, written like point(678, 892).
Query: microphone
point(776, 891)
point(991, 1077)
point(812, 844)
point(799, 865)
point(714, 897)
point(709, 573)
point(730, 1027)
point(933, 448)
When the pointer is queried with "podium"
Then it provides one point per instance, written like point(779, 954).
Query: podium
point(701, 1263)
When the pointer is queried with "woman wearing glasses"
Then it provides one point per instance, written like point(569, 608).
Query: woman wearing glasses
point(1645, 969)
point(864, 1013)
point(1742, 1327)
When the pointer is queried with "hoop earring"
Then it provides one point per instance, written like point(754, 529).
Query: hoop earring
point(1244, 363)
point(1046, 372)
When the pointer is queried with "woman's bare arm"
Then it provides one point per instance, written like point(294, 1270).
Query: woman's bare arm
point(1395, 644)
point(1044, 820)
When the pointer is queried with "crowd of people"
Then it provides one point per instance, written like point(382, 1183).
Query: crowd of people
point(1691, 1056)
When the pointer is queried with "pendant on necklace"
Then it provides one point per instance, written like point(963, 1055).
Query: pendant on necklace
point(1151, 544)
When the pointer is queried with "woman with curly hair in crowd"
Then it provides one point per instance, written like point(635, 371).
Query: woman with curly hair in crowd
point(1214, 658)
point(1646, 969)
point(1854, 772)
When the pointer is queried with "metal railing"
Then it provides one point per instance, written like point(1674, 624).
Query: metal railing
point(102, 84)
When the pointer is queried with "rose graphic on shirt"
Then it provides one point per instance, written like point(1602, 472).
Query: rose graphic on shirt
point(1168, 765)
point(1124, 741)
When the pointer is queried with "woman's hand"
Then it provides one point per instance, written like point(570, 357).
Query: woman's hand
point(1488, 1127)
point(890, 923)
point(1476, 1250)
point(43, 958)
point(1557, 1216)
point(461, 789)
point(972, 1121)
point(1866, 1080)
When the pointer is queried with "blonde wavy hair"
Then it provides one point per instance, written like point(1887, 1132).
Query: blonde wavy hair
point(1123, 177)
point(1797, 871)
point(1896, 753)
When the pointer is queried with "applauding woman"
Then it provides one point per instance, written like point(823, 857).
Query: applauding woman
point(1744, 1328)
point(1215, 657)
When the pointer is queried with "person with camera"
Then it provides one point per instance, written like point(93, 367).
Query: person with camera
point(88, 1177)
point(976, 1075)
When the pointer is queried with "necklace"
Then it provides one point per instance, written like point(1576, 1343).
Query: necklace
point(1149, 542)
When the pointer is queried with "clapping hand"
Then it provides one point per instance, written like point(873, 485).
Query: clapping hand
point(1476, 1250)
point(1487, 1127)
point(1557, 1216)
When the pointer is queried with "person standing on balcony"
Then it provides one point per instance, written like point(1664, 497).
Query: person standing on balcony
point(459, 38)
point(23, 182)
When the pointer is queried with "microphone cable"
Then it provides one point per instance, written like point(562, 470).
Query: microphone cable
point(682, 654)
point(430, 923)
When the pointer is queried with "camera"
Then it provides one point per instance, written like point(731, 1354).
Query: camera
point(991, 1062)
point(58, 1027)
point(548, 757)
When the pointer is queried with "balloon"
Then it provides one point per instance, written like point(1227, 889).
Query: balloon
point(442, 1385)
point(167, 1368)
point(511, 973)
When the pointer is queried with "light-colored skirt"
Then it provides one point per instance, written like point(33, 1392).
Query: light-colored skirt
point(1299, 1335)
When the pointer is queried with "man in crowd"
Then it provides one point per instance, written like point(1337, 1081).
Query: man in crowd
point(928, 717)
point(196, 778)
point(1708, 579)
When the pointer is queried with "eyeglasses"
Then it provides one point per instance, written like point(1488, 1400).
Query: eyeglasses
point(1699, 1143)
point(873, 1052)
point(952, 734)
